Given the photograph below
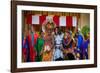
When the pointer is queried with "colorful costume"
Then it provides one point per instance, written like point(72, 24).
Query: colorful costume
point(79, 44)
point(39, 47)
point(35, 38)
point(25, 49)
point(47, 50)
point(79, 40)
point(84, 49)
point(58, 54)
point(68, 51)
point(31, 47)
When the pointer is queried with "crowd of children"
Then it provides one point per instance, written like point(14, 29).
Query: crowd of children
point(54, 45)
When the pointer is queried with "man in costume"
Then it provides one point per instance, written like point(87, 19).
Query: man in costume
point(58, 38)
point(39, 47)
point(85, 46)
point(25, 48)
point(32, 44)
point(79, 43)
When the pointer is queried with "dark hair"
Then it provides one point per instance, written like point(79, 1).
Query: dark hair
point(57, 28)
point(70, 56)
point(48, 23)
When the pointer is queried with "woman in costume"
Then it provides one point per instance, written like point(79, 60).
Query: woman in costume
point(48, 43)
point(39, 47)
point(69, 47)
point(31, 44)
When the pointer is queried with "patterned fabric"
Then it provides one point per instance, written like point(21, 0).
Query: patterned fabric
point(47, 51)
point(47, 56)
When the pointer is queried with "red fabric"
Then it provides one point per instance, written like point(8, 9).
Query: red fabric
point(29, 40)
point(69, 21)
point(24, 53)
point(32, 50)
point(32, 54)
point(56, 20)
point(35, 38)
point(29, 19)
point(42, 19)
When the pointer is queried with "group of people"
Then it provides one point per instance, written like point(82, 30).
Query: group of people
point(54, 45)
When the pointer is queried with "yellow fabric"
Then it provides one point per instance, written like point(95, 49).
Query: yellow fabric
point(47, 56)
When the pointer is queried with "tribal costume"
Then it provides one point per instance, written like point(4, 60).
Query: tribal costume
point(68, 49)
point(47, 50)
point(58, 54)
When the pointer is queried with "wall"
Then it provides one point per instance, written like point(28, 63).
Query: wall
point(84, 20)
point(5, 37)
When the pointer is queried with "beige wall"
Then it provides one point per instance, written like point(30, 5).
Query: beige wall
point(84, 20)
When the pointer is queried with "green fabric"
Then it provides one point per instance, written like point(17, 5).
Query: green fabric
point(39, 47)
